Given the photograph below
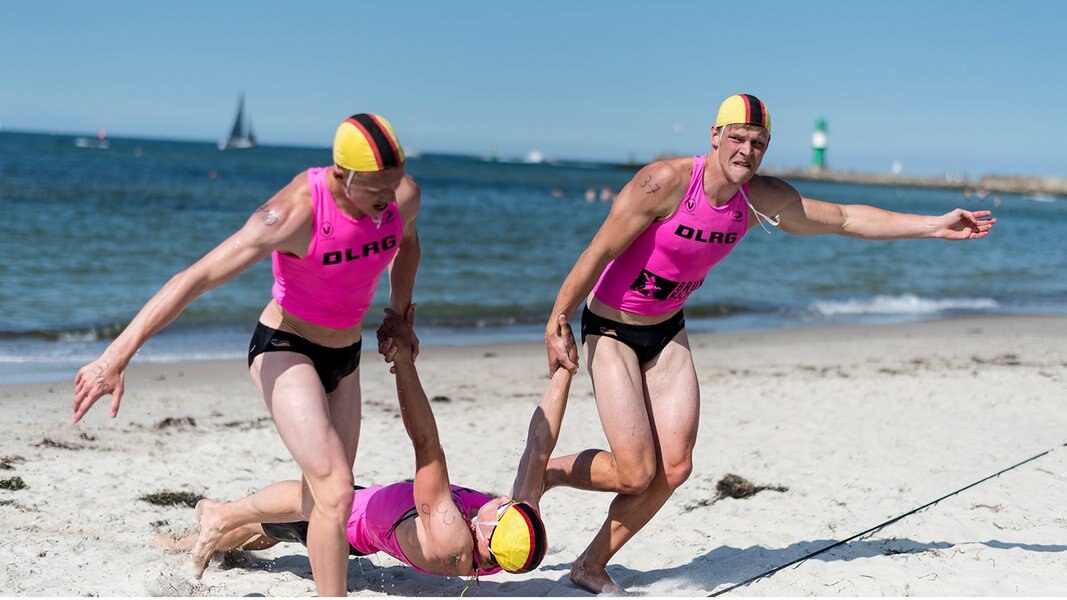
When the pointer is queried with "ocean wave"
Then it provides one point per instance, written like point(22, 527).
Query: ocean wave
point(67, 334)
point(907, 304)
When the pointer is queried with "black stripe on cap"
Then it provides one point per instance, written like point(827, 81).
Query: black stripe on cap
point(755, 110)
point(380, 138)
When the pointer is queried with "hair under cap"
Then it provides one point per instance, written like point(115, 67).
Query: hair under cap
point(366, 143)
point(743, 109)
point(519, 541)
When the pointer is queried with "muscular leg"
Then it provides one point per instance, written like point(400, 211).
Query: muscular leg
point(346, 414)
point(245, 537)
point(673, 409)
point(346, 406)
point(619, 389)
point(221, 523)
point(302, 415)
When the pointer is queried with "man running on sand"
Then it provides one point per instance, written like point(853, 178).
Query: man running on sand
point(455, 531)
point(668, 227)
point(330, 233)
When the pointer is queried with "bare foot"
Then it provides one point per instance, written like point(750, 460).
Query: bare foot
point(211, 533)
point(595, 579)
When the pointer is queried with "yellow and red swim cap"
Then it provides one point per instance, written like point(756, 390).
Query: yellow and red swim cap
point(519, 541)
point(743, 109)
point(366, 143)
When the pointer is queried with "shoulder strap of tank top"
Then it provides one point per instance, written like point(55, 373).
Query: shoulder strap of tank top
point(320, 192)
point(696, 177)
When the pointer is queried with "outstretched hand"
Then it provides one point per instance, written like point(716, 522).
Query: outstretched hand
point(96, 380)
point(965, 225)
point(562, 350)
point(396, 337)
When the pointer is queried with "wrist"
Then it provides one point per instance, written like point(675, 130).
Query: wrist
point(117, 357)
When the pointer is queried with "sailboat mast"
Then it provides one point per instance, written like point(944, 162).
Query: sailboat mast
point(239, 122)
point(241, 135)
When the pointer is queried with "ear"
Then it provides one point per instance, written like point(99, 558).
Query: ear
point(714, 138)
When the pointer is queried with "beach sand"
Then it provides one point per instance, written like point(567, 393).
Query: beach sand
point(857, 425)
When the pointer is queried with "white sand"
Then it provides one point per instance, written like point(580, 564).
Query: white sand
point(861, 425)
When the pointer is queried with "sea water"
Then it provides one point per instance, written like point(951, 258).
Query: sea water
point(88, 236)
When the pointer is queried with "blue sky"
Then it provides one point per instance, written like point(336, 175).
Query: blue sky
point(941, 86)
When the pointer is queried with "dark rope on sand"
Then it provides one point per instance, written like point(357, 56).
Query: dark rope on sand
point(883, 525)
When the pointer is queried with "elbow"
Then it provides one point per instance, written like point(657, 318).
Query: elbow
point(188, 284)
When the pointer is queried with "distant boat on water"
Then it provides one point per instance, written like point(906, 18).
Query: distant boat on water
point(100, 142)
point(241, 136)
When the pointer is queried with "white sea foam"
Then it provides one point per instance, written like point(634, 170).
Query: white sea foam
point(907, 304)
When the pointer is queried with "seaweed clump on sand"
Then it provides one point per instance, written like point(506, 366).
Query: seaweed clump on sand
point(7, 463)
point(50, 443)
point(188, 499)
point(176, 422)
point(14, 484)
point(735, 486)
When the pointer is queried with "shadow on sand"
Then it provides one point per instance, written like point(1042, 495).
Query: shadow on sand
point(722, 566)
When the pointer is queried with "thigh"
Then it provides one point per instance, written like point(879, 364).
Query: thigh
point(618, 386)
point(346, 410)
point(673, 397)
point(297, 402)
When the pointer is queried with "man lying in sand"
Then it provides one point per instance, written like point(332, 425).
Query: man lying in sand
point(454, 531)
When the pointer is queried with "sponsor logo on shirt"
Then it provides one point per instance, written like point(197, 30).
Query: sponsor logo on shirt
point(653, 286)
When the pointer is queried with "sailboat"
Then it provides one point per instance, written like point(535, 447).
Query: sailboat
point(98, 143)
point(241, 136)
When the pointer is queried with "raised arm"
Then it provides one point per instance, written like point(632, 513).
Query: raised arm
point(807, 216)
point(441, 524)
point(278, 224)
point(543, 433)
point(405, 265)
point(653, 193)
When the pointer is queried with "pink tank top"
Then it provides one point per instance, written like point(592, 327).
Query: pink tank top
point(670, 259)
point(376, 512)
point(334, 284)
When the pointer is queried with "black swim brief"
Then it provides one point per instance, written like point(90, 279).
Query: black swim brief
point(297, 532)
point(647, 341)
point(332, 364)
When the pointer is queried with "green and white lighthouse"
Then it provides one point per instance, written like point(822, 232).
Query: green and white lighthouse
point(818, 146)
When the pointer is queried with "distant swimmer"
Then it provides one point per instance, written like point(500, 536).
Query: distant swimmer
point(330, 233)
point(466, 533)
point(674, 221)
